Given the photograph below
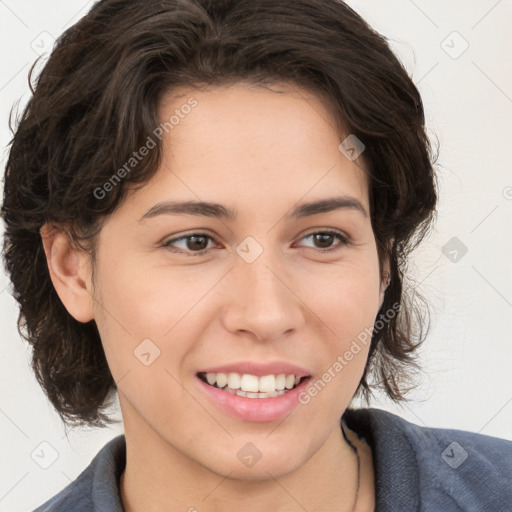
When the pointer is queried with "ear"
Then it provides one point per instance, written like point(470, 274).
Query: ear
point(385, 276)
point(70, 272)
point(383, 286)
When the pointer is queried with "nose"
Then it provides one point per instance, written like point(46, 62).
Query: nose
point(262, 300)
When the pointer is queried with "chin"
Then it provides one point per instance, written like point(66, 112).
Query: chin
point(256, 460)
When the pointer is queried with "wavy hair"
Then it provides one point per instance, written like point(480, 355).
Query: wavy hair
point(96, 101)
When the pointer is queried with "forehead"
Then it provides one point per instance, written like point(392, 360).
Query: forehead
point(249, 145)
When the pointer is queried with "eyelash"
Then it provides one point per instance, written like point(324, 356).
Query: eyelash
point(343, 238)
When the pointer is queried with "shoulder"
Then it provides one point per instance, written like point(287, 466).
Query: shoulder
point(97, 487)
point(434, 468)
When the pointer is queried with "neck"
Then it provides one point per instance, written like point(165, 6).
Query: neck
point(159, 477)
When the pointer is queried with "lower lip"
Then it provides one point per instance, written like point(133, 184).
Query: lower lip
point(255, 409)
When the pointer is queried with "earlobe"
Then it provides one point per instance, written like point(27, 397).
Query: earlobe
point(70, 273)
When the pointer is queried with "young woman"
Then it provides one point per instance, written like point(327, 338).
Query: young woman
point(209, 207)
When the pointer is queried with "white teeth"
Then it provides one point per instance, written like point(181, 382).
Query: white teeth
point(267, 383)
point(290, 381)
point(234, 380)
point(248, 394)
point(248, 383)
point(252, 386)
point(280, 382)
point(222, 379)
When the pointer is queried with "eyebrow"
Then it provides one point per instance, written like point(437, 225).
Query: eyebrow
point(216, 210)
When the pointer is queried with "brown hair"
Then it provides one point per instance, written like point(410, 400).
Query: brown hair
point(96, 101)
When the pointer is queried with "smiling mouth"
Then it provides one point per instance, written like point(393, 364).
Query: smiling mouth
point(252, 386)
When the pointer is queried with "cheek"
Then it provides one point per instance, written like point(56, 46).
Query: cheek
point(149, 319)
point(345, 296)
point(345, 299)
point(149, 300)
point(346, 303)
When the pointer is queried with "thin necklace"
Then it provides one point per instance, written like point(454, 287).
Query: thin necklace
point(356, 451)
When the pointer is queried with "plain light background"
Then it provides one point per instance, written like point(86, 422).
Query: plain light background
point(458, 54)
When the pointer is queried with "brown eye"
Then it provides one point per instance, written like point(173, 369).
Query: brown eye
point(323, 240)
point(194, 244)
point(197, 243)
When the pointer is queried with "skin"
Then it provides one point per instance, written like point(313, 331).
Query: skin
point(261, 153)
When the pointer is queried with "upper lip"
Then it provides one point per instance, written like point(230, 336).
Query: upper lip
point(259, 369)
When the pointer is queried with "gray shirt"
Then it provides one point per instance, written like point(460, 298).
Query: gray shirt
point(416, 469)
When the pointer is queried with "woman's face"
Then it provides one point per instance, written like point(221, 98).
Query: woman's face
point(256, 294)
